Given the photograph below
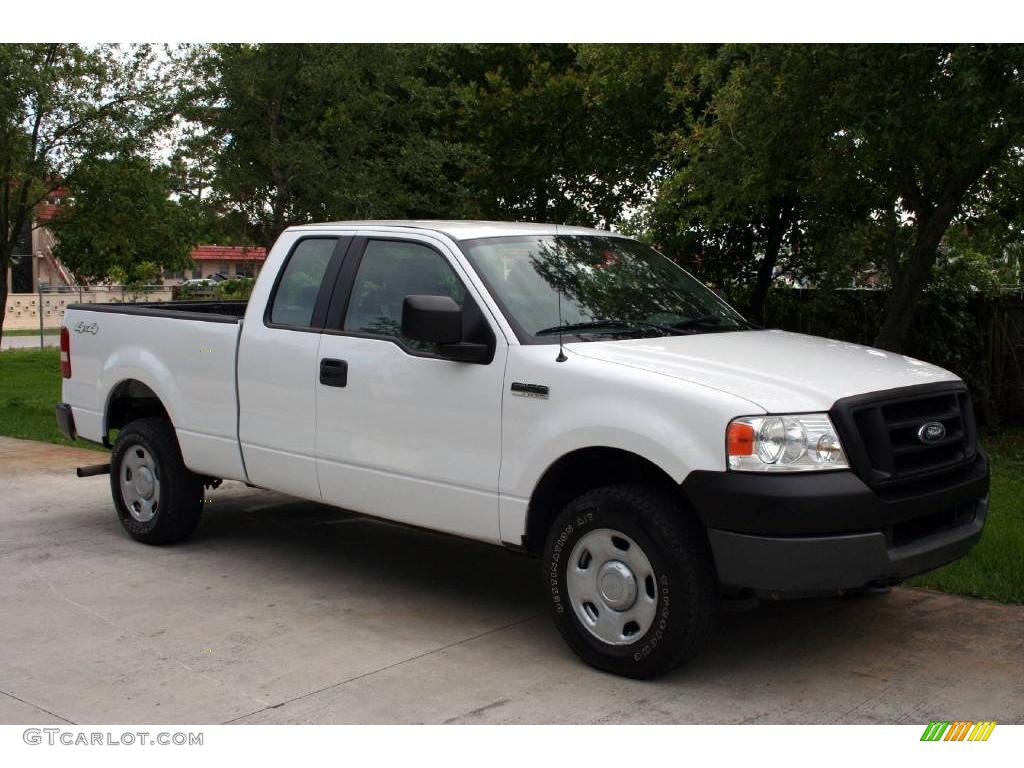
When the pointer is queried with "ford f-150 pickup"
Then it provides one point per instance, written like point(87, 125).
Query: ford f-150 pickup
point(566, 392)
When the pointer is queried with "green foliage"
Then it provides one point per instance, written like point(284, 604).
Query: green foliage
point(823, 161)
point(296, 133)
point(822, 164)
point(928, 127)
point(63, 104)
point(118, 223)
point(237, 289)
point(232, 289)
point(318, 132)
point(558, 133)
point(747, 178)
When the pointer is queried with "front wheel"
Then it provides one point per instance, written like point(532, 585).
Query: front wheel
point(630, 580)
point(157, 498)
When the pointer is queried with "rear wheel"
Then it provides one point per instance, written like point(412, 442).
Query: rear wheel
point(158, 500)
point(630, 580)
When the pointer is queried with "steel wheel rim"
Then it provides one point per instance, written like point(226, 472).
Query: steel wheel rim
point(140, 483)
point(612, 586)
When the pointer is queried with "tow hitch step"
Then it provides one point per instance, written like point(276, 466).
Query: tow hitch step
point(92, 470)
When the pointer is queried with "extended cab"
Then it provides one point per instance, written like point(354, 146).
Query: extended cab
point(565, 392)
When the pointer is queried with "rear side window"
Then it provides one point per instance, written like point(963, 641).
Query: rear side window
point(299, 286)
point(390, 271)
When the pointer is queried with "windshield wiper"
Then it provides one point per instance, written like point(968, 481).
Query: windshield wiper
point(697, 321)
point(712, 321)
point(609, 324)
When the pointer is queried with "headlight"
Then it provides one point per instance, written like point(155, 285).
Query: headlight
point(801, 442)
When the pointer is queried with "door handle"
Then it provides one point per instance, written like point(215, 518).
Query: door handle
point(333, 373)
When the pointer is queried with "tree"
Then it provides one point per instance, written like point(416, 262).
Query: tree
point(750, 168)
point(118, 222)
point(192, 173)
point(298, 133)
point(559, 133)
point(992, 229)
point(929, 126)
point(321, 132)
point(60, 104)
point(838, 158)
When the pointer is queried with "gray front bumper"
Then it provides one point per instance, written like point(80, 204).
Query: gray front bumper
point(810, 564)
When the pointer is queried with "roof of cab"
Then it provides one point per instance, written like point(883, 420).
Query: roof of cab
point(465, 230)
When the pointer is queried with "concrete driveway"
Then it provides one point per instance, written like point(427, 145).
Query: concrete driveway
point(286, 611)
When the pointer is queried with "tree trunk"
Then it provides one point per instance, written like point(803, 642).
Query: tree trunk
point(540, 205)
point(910, 282)
point(778, 222)
point(933, 219)
point(4, 262)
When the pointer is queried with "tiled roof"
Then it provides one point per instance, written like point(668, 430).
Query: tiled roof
point(229, 253)
point(46, 211)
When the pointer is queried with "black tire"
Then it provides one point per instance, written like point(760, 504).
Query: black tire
point(180, 491)
point(686, 591)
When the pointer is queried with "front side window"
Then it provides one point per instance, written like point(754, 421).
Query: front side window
point(389, 271)
point(595, 287)
point(299, 286)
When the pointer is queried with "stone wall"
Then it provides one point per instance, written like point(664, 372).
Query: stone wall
point(23, 308)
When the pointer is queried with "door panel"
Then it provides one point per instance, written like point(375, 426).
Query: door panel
point(410, 436)
point(277, 371)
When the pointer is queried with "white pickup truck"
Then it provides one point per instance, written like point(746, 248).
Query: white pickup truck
point(565, 392)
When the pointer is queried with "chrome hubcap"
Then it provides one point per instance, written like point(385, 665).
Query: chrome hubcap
point(140, 483)
point(612, 587)
point(617, 585)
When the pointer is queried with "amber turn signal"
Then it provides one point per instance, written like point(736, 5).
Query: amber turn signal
point(740, 439)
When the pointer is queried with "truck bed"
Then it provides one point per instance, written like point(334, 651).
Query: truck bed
point(183, 351)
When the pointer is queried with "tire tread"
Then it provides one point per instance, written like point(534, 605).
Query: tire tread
point(181, 490)
point(670, 525)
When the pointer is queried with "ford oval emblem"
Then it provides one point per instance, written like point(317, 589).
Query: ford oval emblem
point(931, 432)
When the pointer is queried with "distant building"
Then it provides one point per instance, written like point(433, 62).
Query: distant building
point(226, 259)
point(32, 261)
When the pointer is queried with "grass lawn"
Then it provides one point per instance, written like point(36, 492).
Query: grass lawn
point(33, 332)
point(30, 386)
point(995, 567)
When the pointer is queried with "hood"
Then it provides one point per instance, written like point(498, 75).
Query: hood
point(778, 371)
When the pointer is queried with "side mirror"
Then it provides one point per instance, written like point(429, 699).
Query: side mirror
point(436, 319)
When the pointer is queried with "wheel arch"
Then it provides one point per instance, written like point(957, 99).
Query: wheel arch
point(128, 400)
point(582, 470)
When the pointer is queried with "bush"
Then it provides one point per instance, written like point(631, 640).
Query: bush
point(235, 290)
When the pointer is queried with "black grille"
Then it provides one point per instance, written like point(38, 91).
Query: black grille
point(881, 434)
point(909, 531)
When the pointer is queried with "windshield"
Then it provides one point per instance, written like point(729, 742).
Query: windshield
point(610, 286)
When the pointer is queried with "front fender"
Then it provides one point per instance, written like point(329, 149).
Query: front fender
point(676, 425)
